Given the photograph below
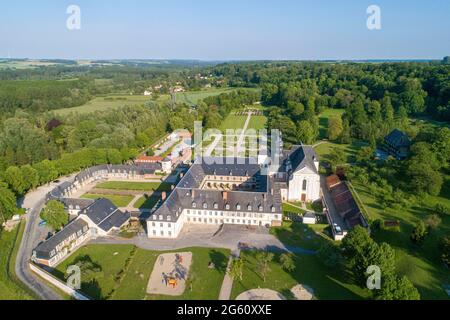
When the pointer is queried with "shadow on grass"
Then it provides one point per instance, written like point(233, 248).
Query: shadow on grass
point(219, 259)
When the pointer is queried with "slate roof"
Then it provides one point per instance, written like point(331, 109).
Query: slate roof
point(188, 195)
point(298, 158)
point(44, 249)
point(78, 204)
point(398, 139)
point(106, 215)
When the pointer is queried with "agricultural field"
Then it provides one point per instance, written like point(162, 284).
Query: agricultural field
point(135, 186)
point(117, 200)
point(122, 272)
point(309, 270)
point(10, 287)
point(105, 103)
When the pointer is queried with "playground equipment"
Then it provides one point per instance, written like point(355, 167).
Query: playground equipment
point(173, 283)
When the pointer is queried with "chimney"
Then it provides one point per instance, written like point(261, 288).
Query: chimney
point(264, 197)
point(173, 187)
point(271, 191)
point(225, 195)
point(164, 196)
point(181, 175)
point(193, 194)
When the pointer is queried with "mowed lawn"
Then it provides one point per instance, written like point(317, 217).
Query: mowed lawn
point(324, 119)
point(125, 272)
point(9, 287)
point(258, 123)
point(193, 97)
point(233, 122)
point(105, 103)
point(118, 201)
point(147, 202)
point(135, 186)
point(326, 284)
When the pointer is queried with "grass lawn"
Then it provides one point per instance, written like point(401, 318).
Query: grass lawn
point(258, 123)
point(308, 271)
point(147, 202)
point(325, 149)
point(324, 118)
point(233, 122)
point(10, 287)
point(297, 234)
point(287, 207)
point(193, 97)
point(105, 103)
point(125, 272)
point(135, 186)
point(118, 201)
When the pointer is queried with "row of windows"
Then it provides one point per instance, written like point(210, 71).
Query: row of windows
point(161, 233)
point(237, 214)
point(222, 221)
point(161, 225)
point(228, 207)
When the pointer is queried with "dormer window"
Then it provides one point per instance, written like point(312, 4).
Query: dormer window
point(273, 208)
point(161, 217)
point(169, 218)
point(238, 207)
point(205, 205)
point(249, 207)
point(260, 208)
point(227, 206)
point(216, 206)
point(194, 205)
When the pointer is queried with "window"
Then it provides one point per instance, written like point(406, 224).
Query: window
point(154, 232)
point(162, 233)
point(216, 206)
point(305, 185)
point(162, 225)
point(170, 233)
point(238, 207)
point(249, 208)
point(273, 208)
point(227, 206)
point(169, 225)
point(205, 205)
point(260, 208)
point(153, 224)
point(194, 205)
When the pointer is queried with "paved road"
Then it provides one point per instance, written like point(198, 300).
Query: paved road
point(34, 200)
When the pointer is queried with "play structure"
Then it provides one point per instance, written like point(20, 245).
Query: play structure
point(170, 274)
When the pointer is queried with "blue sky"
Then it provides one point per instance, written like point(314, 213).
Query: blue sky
point(225, 29)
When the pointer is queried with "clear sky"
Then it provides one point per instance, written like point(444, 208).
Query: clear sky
point(225, 29)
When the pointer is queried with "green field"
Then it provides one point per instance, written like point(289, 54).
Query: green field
point(325, 149)
point(105, 103)
point(297, 234)
point(258, 123)
point(135, 186)
point(10, 287)
point(193, 97)
point(324, 118)
point(309, 271)
point(147, 202)
point(118, 201)
point(125, 272)
point(233, 122)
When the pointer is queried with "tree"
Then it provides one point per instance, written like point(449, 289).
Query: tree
point(330, 255)
point(335, 128)
point(7, 203)
point(419, 233)
point(14, 177)
point(287, 262)
point(433, 221)
point(394, 287)
point(262, 263)
point(46, 170)
point(305, 132)
point(30, 176)
point(236, 269)
point(445, 250)
point(337, 157)
point(55, 215)
point(365, 155)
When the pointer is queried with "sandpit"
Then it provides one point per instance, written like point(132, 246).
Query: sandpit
point(170, 273)
point(302, 292)
point(260, 294)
